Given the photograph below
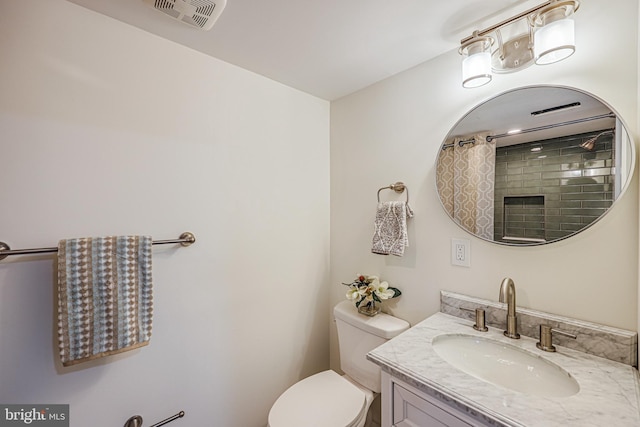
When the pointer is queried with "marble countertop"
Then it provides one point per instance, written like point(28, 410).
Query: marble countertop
point(609, 391)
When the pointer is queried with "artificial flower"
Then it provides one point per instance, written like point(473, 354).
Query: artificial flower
point(367, 290)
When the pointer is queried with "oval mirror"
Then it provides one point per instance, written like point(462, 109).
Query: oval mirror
point(534, 165)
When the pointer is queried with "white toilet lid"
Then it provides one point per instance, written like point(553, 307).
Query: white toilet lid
point(321, 400)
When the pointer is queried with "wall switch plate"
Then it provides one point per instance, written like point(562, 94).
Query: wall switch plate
point(461, 252)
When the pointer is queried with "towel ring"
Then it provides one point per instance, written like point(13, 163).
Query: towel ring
point(398, 187)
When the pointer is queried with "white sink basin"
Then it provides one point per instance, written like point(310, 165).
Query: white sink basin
point(505, 365)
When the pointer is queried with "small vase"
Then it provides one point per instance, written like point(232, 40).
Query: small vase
point(369, 309)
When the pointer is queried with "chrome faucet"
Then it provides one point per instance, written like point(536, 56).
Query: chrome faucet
point(508, 295)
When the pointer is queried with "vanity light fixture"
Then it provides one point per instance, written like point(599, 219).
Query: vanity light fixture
point(549, 38)
point(476, 65)
point(554, 38)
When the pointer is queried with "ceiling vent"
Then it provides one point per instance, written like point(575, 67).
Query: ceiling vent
point(195, 13)
point(556, 109)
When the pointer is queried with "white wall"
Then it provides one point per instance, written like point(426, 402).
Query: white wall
point(392, 131)
point(638, 124)
point(106, 129)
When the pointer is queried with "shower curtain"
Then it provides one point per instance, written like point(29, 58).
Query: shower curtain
point(465, 181)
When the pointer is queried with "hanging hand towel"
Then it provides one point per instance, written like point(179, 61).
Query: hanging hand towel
point(390, 236)
point(105, 301)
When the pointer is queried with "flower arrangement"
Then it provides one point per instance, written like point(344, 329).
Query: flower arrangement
point(365, 291)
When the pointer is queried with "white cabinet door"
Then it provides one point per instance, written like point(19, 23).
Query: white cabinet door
point(410, 410)
point(406, 406)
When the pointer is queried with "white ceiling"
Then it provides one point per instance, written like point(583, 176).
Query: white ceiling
point(511, 113)
point(327, 48)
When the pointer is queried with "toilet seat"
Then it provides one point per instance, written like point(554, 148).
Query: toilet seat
point(322, 400)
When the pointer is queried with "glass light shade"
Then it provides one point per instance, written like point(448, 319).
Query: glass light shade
point(476, 69)
point(554, 41)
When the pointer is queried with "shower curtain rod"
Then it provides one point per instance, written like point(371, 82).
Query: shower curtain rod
point(554, 125)
point(185, 239)
point(460, 143)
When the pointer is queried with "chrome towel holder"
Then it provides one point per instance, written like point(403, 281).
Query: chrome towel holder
point(186, 239)
point(398, 187)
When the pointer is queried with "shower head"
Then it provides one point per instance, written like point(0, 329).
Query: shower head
point(590, 143)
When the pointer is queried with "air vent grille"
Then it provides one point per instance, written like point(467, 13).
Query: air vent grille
point(196, 13)
point(166, 6)
point(555, 109)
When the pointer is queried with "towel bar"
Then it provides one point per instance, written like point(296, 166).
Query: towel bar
point(187, 238)
point(398, 187)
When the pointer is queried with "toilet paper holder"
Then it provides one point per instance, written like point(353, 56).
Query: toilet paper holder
point(136, 420)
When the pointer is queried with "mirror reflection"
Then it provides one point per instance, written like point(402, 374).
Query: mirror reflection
point(534, 165)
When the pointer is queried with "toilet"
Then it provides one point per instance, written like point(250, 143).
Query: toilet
point(327, 399)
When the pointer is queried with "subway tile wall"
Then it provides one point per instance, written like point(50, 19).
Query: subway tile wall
point(547, 190)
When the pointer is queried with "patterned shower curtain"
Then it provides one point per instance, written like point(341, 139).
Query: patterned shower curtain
point(465, 181)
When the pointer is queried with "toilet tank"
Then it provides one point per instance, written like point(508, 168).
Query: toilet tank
point(358, 335)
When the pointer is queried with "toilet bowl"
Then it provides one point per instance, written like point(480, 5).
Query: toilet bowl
point(328, 399)
point(321, 400)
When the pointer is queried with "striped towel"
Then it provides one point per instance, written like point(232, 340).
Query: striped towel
point(105, 296)
point(390, 234)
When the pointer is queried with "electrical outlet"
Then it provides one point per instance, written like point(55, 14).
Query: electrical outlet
point(461, 252)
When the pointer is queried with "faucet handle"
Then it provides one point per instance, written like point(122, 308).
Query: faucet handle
point(480, 319)
point(546, 337)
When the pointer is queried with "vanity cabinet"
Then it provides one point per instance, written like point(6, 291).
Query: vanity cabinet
point(406, 406)
point(420, 388)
